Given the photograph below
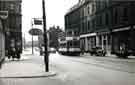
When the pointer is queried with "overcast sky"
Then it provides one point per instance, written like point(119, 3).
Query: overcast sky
point(55, 11)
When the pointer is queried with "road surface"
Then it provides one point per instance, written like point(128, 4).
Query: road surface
point(79, 70)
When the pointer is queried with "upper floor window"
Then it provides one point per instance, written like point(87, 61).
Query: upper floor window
point(99, 20)
point(12, 7)
point(88, 25)
point(125, 14)
point(107, 19)
point(84, 11)
point(106, 3)
point(93, 24)
point(93, 9)
point(116, 16)
point(69, 33)
point(88, 8)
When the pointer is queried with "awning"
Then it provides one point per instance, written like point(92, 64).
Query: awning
point(88, 35)
point(121, 29)
point(103, 33)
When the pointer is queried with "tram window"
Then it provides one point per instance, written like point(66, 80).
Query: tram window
point(69, 33)
point(76, 44)
point(70, 44)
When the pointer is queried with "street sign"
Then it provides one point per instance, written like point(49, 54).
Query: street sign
point(3, 14)
point(35, 31)
point(37, 21)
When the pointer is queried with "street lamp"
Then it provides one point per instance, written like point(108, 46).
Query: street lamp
point(46, 56)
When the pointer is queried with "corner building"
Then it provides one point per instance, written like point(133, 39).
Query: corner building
point(108, 24)
point(13, 23)
point(2, 43)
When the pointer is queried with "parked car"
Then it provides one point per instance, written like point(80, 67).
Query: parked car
point(98, 51)
point(50, 50)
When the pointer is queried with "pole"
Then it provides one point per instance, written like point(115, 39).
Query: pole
point(46, 56)
point(2, 43)
point(32, 45)
point(24, 41)
point(32, 37)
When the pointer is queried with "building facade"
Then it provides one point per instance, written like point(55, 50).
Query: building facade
point(108, 24)
point(53, 33)
point(52, 37)
point(2, 42)
point(72, 27)
point(12, 24)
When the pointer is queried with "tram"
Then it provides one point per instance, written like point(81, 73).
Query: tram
point(69, 46)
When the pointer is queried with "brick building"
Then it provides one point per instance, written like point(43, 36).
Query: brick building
point(2, 42)
point(13, 23)
point(108, 24)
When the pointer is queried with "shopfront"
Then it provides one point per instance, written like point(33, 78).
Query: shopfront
point(104, 41)
point(88, 41)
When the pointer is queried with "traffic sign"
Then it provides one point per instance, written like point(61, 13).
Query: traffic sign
point(37, 21)
point(35, 31)
point(3, 14)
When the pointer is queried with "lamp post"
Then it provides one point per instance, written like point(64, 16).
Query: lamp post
point(46, 56)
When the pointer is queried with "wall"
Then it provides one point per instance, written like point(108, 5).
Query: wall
point(2, 42)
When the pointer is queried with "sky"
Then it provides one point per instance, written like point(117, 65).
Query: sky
point(55, 11)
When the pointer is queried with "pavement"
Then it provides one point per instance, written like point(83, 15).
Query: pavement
point(24, 68)
point(80, 70)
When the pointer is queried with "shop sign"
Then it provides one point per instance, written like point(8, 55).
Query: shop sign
point(35, 31)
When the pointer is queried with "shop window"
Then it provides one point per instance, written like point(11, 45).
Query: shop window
point(109, 40)
point(100, 40)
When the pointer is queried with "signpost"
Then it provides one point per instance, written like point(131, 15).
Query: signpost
point(35, 31)
point(46, 56)
point(37, 21)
